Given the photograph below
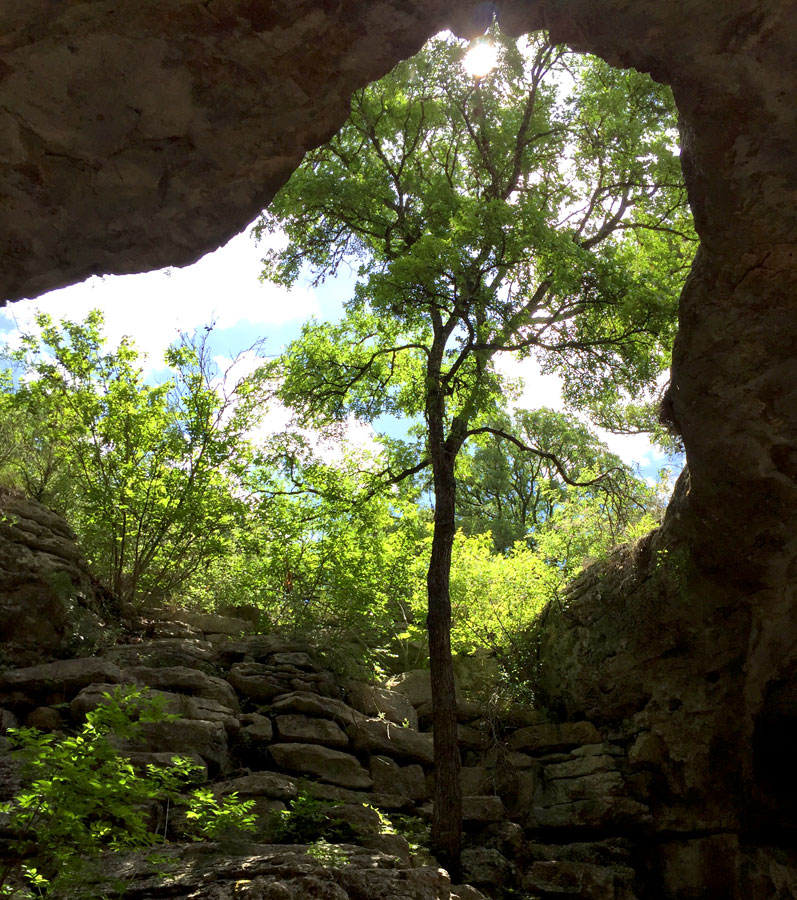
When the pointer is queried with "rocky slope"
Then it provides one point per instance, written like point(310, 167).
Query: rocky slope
point(548, 805)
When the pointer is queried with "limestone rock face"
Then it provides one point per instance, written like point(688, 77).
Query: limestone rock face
point(49, 603)
point(139, 135)
point(275, 872)
point(329, 765)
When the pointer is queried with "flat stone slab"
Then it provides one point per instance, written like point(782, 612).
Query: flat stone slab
point(588, 787)
point(329, 765)
point(182, 705)
point(310, 704)
point(260, 784)
point(599, 813)
point(483, 809)
point(184, 680)
point(580, 766)
point(295, 659)
point(166, 653)
point(211, 624)
point(551, 737)
point(382, 737)
point(226, 872)
point(184, 737)
point(307, 730)
point(64, 677)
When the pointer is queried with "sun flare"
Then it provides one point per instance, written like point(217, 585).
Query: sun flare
point(480, 59)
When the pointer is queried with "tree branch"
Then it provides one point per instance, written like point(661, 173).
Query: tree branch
point(542, 454)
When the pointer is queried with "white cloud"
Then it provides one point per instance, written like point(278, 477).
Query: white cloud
point(152, 307)
point(537, 390)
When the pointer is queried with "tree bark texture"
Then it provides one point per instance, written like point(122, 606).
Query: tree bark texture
point(447, 810)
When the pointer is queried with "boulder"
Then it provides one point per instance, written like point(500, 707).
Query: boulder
point(257, 648)
point(44, 718)
point(378, 702)
point(541, 739)
point(522, 790)
point(466, 892)
point(331, 766)
point(391, 778)
point(311, 704)
point(391, 845)
point(260, 784)
point(305, 730)
point(570, 879)
point(182, 737)
point(56, 681)
point(580, 766)
point(296, 660)
point(477, 780)
point(507, 837)
point(173, 704)
point(483, 809)
point(596, 785)
point(185, 680)
point(604, 813)
point(258, 729)
point(166, 653)
point(470, 738)
point(380, 737)
point(415, 685)
point(255, 681)
point(486, 866)
point(362, 818)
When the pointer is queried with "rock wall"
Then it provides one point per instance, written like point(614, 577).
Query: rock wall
point(50, 604)
point(548, 805)
point(651, 647)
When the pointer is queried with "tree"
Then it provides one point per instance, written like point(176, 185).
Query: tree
point(146, 474)
point(511, 493)
point(511, 215)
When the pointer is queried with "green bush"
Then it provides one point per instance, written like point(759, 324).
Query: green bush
point(82, 799)
point(308, 820)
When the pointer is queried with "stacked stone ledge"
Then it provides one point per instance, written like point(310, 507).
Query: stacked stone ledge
point(545, 807)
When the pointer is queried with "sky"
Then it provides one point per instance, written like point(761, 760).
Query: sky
point(224, 287)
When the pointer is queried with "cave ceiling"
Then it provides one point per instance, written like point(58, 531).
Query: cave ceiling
point(136, 134)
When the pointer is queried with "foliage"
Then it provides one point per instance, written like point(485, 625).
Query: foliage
point(328, 854)
point(208, 818)
point(513, 494)
point(82, 798)
point(145, 474)
point(309, 819)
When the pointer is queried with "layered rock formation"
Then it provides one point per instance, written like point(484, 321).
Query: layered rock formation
point(50, 605)
point(548, 805)
point(141, 134)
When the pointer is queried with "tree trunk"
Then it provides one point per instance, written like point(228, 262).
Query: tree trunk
point(447, 810)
